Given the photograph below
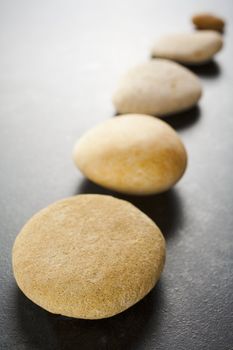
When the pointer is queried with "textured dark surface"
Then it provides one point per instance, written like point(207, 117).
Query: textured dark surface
point(59, 64)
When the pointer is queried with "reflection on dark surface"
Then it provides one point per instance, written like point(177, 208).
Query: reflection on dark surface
point(44, 330)
point(184, 119)
point(207, 70)
point(164, 209)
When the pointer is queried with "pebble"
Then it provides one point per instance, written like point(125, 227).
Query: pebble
point(208, 21)
point(158, 87)
point(189, 48)
point(132, 154)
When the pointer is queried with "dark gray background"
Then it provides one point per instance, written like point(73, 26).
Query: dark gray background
point(59, 65)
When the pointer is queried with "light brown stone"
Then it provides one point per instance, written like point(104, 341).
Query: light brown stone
point(208, 21)
point(134, 154)
point(88, 256)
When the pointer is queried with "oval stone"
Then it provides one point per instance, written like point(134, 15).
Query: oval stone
point(134, 154)
point(208, 21)
point(158, 87)
point(190, 48)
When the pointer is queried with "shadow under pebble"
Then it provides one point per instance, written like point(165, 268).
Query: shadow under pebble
point(207, 70)
point(184, 119)
point(43, 330)
point(180, 120)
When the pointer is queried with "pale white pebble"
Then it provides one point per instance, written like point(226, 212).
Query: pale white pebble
point(189, 48)
point(158, 87)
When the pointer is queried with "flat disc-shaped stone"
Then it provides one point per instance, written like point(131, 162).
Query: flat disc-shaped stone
point(88, 256)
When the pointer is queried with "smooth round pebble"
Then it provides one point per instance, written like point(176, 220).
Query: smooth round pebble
point(134, 154)
point(158, 87)
point(88, 256)
point(208, 21)
point(190, 48)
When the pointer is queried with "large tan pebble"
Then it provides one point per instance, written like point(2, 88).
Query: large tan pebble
point(88, 256)
point(134, 154)
point(190, 48)
point(208, 21)
point(158, 87)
